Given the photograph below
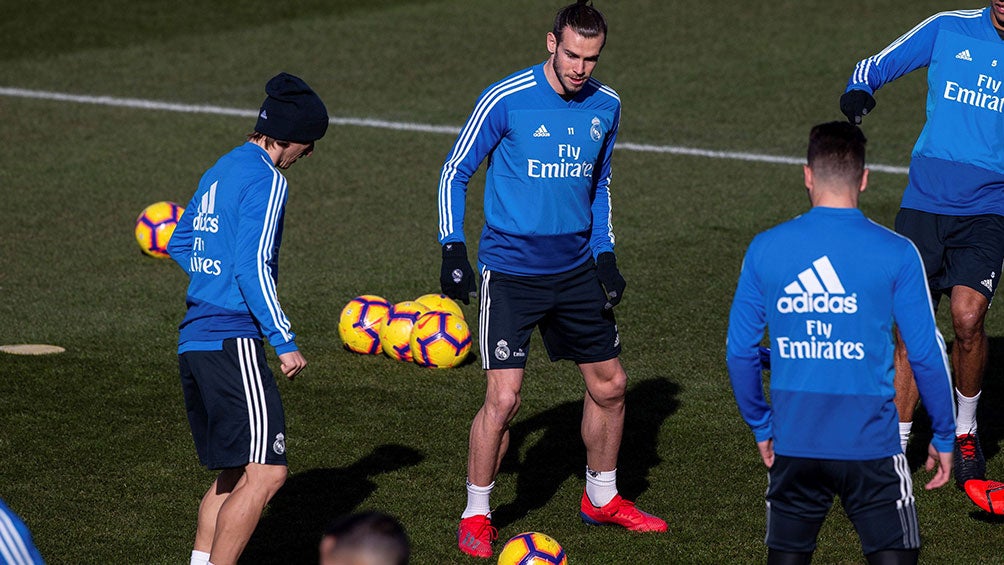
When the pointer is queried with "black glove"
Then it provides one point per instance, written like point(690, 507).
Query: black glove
point(855, 104)
point(611, 279)
point(456, 278)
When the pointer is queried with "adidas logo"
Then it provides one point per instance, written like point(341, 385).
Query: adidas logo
point(542, 132)
point(263, 115)
point(989, 283)
point(964, 55)
point(208, 203)
point(817, 289)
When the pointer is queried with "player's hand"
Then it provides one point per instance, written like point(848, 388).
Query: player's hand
point(766, 448)
point(611, 279)
point(456, 278)
point(292, 363)
point(855, 104)
point(943, 462)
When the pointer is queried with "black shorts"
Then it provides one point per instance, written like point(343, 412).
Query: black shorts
point(233, 405)
point(877, 496)
point(956, 250)
point(567, 307)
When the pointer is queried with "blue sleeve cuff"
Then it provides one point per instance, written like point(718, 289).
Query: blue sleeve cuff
point(944, 443)
point(286, 347)
point(763, 433)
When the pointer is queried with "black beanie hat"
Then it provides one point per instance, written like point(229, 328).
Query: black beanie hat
point(291, 111)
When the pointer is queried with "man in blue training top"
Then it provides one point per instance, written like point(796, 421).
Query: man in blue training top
point(830, 284)
point(953, 205)
point(546, 259)
point(228, 242)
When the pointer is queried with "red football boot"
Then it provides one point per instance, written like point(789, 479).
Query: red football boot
point(620, 512)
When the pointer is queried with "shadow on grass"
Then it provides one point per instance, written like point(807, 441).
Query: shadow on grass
point(990, 414)
point(559, 453)
point(310, 500)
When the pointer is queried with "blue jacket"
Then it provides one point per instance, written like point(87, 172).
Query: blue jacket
point(547, 188)
point(957, 166)
point(830, 284)
point(228, 242)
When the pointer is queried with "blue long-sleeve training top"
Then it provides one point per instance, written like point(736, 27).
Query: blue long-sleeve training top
point(957, 165)
point(228, 242)
point(547, 187)
point(830, 285)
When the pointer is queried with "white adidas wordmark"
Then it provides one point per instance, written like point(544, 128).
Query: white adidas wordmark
point(964, 55)
point(542, 132)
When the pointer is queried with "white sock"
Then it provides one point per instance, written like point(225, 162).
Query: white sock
point(477, 500)
point(965, 422)
point(199, 558)
point(601, 486)
point(904, 434)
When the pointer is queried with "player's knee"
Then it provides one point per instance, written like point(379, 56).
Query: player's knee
point(968, 325)
point(267, 478)
point(501, 406)
point(609, 393)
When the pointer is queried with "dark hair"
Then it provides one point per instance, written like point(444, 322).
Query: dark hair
point(584, 20)
point(837, 152)
point(371, 532)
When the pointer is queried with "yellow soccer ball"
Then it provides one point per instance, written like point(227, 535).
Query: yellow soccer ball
point(360, 322)
point(440, 339)
point(155, 226)
point(532, 548)
point(395, 334)
point(440, 303)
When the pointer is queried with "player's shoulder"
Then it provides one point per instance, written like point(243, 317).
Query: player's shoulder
point(603, 89)
point(955, 19)
point(511, 84)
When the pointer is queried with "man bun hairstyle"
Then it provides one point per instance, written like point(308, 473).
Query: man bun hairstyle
point(583, 18)
point(837, 152)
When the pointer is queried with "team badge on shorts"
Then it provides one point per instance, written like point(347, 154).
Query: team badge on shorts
point(279, 446)
point(502, 350)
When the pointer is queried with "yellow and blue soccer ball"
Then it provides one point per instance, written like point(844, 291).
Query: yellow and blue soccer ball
point(155, 226)
point(440, 340)
point(360, 323)
point(532, 548)
point(440, 303)
point(395, 334)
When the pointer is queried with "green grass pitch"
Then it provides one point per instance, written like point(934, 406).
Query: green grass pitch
point(97, 455)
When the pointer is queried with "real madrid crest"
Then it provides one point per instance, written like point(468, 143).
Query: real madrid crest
point(595, 131)
point(279, 446)
point(502, 350)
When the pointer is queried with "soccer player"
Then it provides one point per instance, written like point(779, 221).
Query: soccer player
point(365, 538)
point(546, 257)
point(228, 242)
point(16, 546)
point(829, 284)
point(953, 205)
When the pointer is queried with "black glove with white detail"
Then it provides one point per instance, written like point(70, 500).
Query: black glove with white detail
point(855, 104)
point(611, 279)
point(456, 278)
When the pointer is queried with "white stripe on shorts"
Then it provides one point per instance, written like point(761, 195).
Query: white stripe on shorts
point(486, 302)
point(905, 505)
point(254, 394)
